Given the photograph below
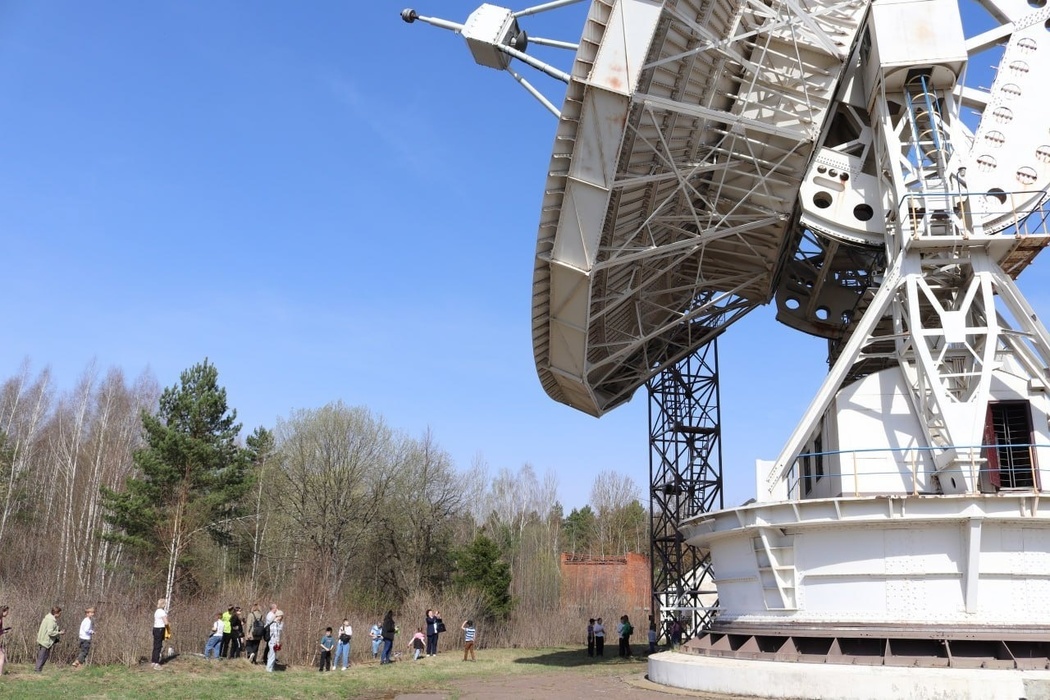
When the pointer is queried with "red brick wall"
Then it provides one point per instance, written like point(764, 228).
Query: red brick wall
point(607, 586)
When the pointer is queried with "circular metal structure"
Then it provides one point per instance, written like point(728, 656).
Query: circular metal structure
point(880, 170)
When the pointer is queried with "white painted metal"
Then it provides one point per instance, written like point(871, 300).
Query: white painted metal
point(964, 562)
point(713, 154)
point(947, 246)
point(685, 133)
point(885, 507)
point(495, 37)
point(792, 680)
point(486, 30)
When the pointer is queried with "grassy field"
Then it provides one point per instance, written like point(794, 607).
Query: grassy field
point(193, 677)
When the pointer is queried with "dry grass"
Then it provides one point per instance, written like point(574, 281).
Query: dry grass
point(193, 677)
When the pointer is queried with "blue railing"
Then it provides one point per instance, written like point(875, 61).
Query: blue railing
point(914, 466)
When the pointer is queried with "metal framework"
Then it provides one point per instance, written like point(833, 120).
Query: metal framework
point(954, 226)
point(684, 138)
point(712, 155)
point(685, 476)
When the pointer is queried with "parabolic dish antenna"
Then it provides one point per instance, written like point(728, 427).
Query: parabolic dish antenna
point(713, 156)
point(880, 170)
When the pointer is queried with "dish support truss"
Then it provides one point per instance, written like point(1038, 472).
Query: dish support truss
point(687, 129)
point(682, 142)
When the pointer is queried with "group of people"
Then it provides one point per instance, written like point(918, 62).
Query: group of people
point(341, 646)
point(49, 634)
point(232, 632)
point(425, 640)
point(624, 630)
point(428, 643)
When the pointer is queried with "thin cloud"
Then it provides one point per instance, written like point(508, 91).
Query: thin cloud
point(407, 136)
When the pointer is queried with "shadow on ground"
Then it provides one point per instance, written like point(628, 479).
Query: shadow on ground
point(572, 658)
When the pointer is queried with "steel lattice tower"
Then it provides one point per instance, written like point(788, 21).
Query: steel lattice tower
point(685, 476)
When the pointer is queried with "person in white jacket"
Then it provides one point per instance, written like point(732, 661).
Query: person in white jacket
point(599, 637)
point(276, 627)
point(87, 631)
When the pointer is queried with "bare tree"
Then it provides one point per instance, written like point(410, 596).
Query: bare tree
point(24, 403)
point(612, 496)
point(116, 435)
point(90, 438)
point(418, 529)
point(64, 448)
point(335, 465)
point(262, 447)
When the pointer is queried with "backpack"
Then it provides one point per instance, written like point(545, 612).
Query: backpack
point(258, 628)
point(266, 633)
point(627, 629)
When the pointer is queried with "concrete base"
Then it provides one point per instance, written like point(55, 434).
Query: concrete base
point(794, 680)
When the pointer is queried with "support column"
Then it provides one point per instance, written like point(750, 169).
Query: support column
point(685, 475)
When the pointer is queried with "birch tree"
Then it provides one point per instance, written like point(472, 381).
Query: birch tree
point(24, 403)
point(619, 515)
point(261, 448)
point(89, 443)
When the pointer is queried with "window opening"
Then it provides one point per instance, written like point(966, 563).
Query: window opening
point(1008, 434)
point(813, 465)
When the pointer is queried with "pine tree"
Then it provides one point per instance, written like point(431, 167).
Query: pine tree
point(190, 476)
point(479, 566)
point(578, 530)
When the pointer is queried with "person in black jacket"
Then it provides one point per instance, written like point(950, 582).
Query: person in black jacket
point(236, 633)
point(389, 630)
point(433, 620)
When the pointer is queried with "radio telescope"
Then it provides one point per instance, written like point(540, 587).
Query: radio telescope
point(880, 171)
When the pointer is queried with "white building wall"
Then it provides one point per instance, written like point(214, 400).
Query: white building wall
point(874, 442)
point(879, 438)
point(918, 560)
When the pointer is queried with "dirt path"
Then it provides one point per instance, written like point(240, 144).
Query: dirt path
point(632, 686)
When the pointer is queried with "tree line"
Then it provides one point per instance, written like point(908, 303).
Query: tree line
point(118, 491)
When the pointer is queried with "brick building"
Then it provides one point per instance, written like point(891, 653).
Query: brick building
point(608, 586)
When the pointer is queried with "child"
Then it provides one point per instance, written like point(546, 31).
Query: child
point(417, 643)
point(87, 630)
point(652, 637)
point(327, 642)
point(376, 635)
point(469, 633)
point(215, 640)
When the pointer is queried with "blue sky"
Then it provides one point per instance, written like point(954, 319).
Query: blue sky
point(329, 204)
